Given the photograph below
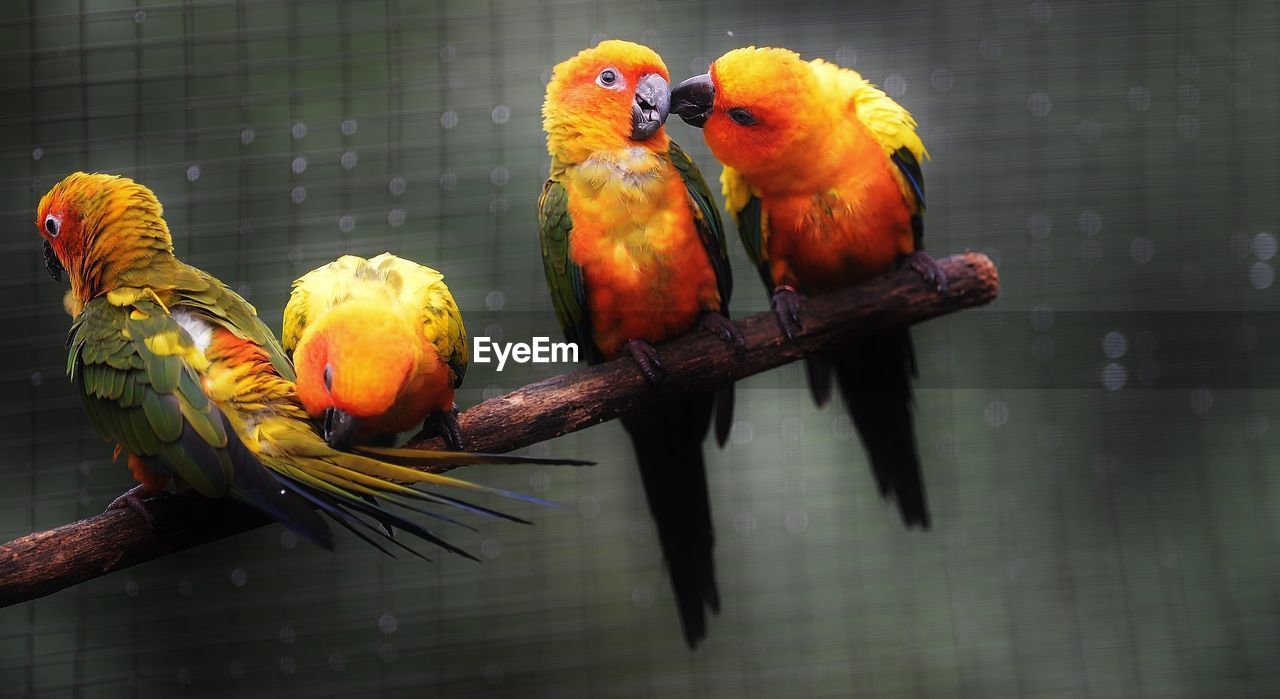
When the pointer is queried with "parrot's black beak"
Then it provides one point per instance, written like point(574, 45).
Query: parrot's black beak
point(339, 428)
point(651, 106)
point(693, 99)
point(51, 262)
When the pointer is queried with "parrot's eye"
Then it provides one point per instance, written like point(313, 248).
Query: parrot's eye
point(52, 226)
point(328, 377)
point(608, 78)
point(741, 117)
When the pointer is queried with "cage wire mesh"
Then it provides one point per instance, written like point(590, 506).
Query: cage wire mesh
point(1096, 444)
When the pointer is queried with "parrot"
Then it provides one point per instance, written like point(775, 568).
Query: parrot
point(635, 254)
point(379, 347)
point(179, 372)
point(821, 173)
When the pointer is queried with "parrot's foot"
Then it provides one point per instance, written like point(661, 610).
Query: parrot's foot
point(443, 424)
point(786, 307)
point(132, 499)
point(646, 359)
point(725, 329)
point(446, 425)
point(928, 268)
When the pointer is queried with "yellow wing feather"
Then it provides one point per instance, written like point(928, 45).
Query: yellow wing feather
point(889, 122)
point(737, 192)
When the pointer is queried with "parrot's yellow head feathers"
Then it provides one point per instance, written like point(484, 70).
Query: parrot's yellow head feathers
point(96, 227)
point(755, 106)
point(355, 357)
point(612, 96)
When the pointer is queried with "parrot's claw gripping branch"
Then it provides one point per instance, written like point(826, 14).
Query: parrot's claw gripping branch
point(786, 303)
point(928, 268)
point(42, 563)
point(444, 425)
point(723, 328)
point(647, 360)
point(133, 500)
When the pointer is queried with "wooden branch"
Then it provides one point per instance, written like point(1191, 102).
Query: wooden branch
point(42, 563)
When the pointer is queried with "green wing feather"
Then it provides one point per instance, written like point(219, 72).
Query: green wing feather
point(750, 220)
point(457, 342)
point(710, 226)
point(564, 276)
point(132, 367)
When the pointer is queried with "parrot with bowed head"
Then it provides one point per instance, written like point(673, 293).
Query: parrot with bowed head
point(822, 175)
point(634, 254)
point(379, 347)
point(178, 371)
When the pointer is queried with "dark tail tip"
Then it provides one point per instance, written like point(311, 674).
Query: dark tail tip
point(724, 415)
point(818, 369)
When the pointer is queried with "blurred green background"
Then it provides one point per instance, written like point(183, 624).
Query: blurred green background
point(1097, 444)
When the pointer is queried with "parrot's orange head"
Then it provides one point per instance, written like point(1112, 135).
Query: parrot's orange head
point(609, 97)
point(755, 107)
point(353, 362)
point(96, 226)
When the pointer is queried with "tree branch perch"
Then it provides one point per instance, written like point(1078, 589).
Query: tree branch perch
point(42, 563)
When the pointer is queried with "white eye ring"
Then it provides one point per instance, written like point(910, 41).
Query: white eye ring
point(610, 79)
point(52, 225)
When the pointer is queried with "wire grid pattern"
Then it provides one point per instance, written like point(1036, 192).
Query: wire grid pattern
point(1098, 444)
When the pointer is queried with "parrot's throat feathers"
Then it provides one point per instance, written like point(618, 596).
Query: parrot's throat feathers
point(573, 140)
point(631, 173)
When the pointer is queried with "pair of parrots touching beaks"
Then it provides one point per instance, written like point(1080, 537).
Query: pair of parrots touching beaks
point(821, 174)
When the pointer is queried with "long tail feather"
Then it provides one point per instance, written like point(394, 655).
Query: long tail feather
point(668, 445)
point(342, 468)
point(875, 376)
point(340, 490)
point(349, 521)
point(338, 509)
point(373, 501)
point(342, 482)
point(423, 457)
point(350, 486)
point(388, 518)
point(387, 538)
point(256, 485)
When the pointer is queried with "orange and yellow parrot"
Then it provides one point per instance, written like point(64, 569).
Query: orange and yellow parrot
point(822, 174)
point(379, 347)
point(179, 372)
point(634, 254)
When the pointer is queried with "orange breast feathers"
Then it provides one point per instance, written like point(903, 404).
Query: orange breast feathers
point(853, 228)
point(646, 273)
